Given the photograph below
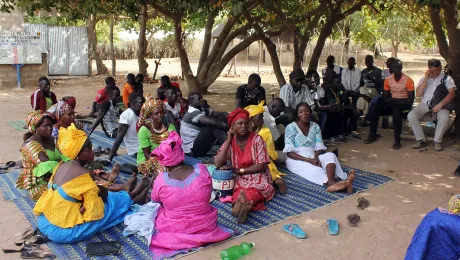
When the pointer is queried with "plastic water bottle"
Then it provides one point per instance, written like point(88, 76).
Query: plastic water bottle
point(430, 124)
point(236, 252)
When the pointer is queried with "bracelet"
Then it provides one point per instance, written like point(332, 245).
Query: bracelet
point(241, 170)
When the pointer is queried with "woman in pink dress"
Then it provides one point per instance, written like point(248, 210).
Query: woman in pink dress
point(186, 220)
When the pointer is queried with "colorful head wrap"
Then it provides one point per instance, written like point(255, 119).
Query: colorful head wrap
point(70, 100)
point(70, 141)
point(58, 109)
point(32, 120)
point(170, 152)
point(237, 114)
point(147, 108)
point(255, 110)
point(454, 205)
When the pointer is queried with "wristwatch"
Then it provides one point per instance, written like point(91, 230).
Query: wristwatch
point(241, 170)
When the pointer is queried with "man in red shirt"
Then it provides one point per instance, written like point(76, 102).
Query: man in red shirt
point(43, 98)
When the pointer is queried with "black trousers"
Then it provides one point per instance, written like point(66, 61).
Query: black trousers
point(379, 108)
point(206, 139)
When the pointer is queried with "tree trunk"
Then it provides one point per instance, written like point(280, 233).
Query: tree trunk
point(451, 18)
point(394, 50)
point(92, 37)
point(112, 49)
point(271, 48)
point(376, 50)
point(142, 42)
point(323, 35)
point(184, 61)
point(347, 37)
point(297, 54)
point(439, 33)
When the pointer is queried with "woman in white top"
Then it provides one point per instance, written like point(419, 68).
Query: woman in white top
point(307, 156)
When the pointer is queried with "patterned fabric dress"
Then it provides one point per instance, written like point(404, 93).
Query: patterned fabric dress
point(36, 174)
point(306, 146)
point(257, 187)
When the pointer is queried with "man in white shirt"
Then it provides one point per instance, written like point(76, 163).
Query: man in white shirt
point(425, 89)
point(127, 126)
point(351, 79)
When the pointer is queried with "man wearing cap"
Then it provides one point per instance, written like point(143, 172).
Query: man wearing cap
point(425, 89)
point(293, 93)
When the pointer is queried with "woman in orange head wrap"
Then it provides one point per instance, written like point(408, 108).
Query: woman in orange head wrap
point(249, 157)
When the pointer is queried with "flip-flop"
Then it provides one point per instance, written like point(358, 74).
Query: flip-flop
point(27, 234)
point(363, 203)
point(103, 161)
point(97, 151)
point(10, 164)
point(353, 220)
point(106, 151)
point(39, 252)
point(295, 230)
point(333, 226)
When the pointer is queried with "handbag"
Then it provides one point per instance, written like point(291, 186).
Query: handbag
point(103, 248)
point(439, 94)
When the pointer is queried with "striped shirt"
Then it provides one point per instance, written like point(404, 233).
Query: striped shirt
point(190, 127)
point(399, 89)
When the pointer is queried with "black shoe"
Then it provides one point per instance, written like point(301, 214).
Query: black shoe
point(364, 123)
point(336, 152)
point(370, 139)
point(457, 171)
point(396, 146)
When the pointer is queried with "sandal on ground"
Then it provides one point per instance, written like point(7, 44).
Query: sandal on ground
point(353, 220)
point(333, 226)
point(26, 235)
point(363, 203)
point(97, 151)
point(295, 230)
point(106, 151)
point(103, 161)
point(10, 164)
point(14, 249)
point(39, 252)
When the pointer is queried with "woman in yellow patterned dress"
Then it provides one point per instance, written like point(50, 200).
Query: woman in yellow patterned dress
point(153, 128)
point(256, 113)
point(39, 155)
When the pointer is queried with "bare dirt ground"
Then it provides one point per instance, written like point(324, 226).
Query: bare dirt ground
point(423, 180)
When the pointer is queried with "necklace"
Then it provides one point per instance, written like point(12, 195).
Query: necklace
point(158, 131)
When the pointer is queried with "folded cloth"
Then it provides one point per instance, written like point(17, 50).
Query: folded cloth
point(142, 221)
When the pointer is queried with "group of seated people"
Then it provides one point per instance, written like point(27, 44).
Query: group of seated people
point(74, 203)
point(348, 94)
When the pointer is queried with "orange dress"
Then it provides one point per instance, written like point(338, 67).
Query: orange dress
point(127, 90)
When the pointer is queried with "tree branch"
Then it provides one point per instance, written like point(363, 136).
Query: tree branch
point(207, 38)
point(441, 39)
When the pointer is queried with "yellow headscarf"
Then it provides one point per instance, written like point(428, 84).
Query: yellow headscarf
point(70, 141)
point(255, 110)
